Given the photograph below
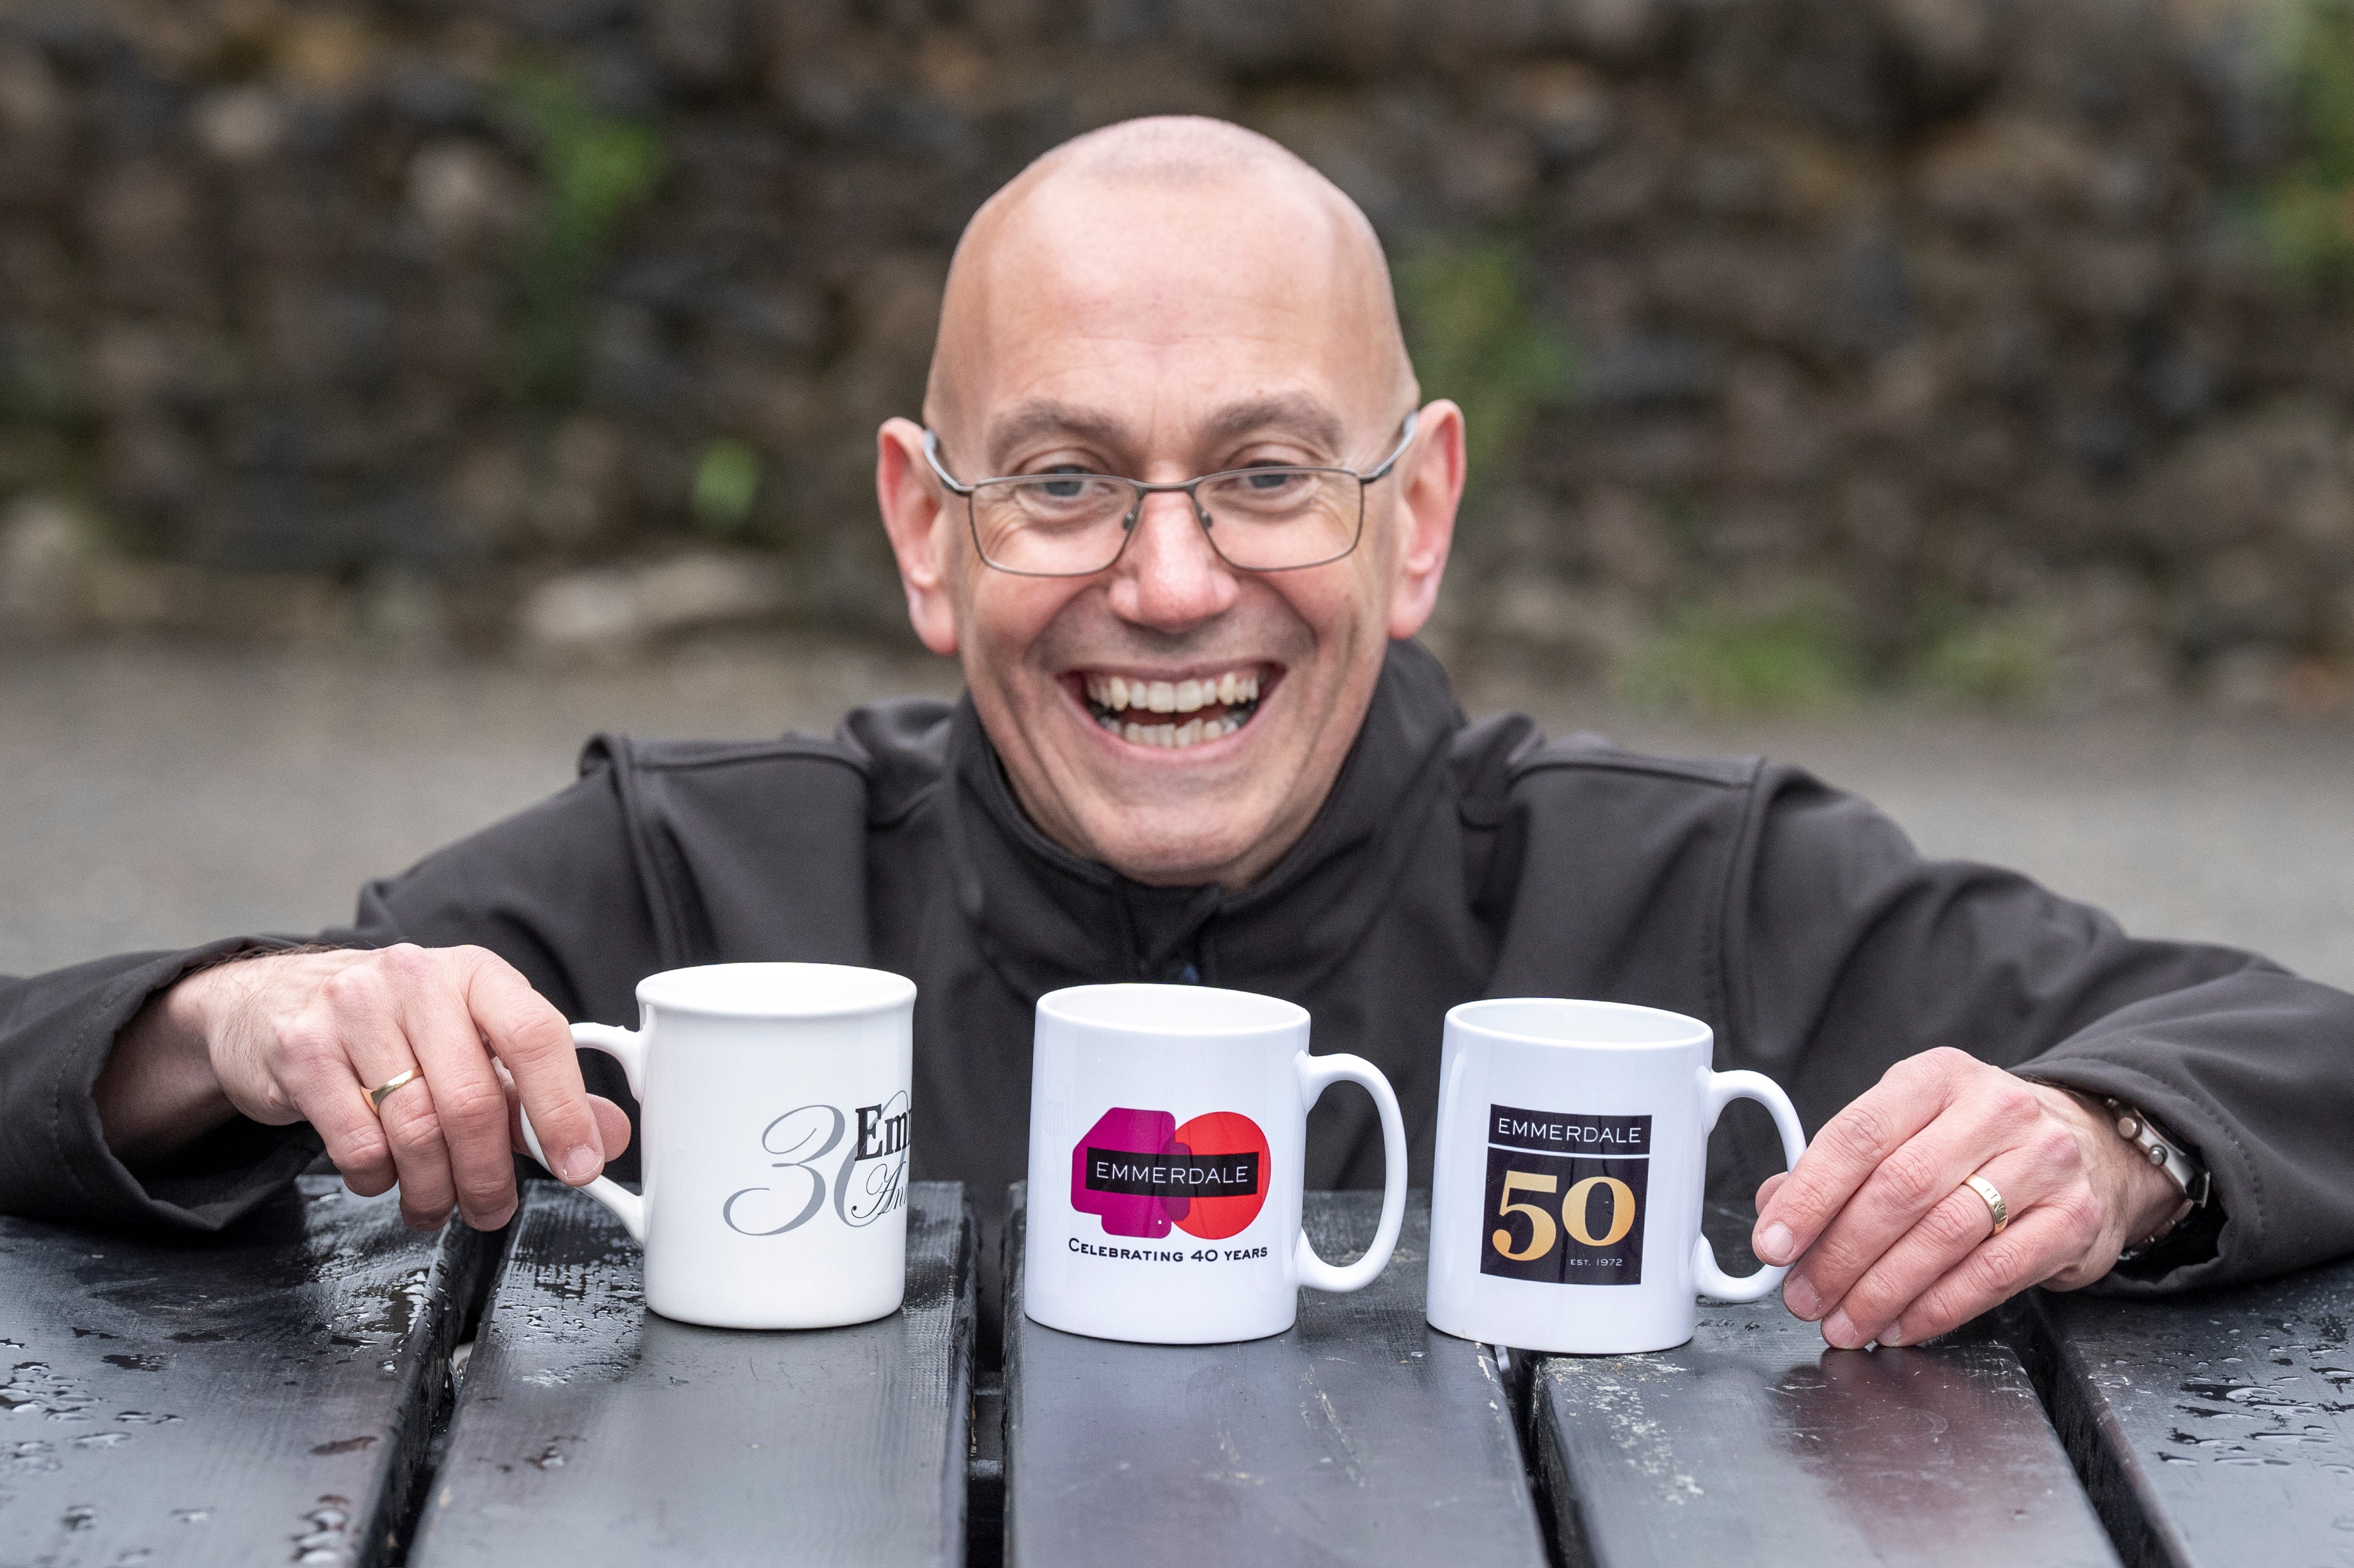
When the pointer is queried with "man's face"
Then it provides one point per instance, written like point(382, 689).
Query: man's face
point(1173, 717)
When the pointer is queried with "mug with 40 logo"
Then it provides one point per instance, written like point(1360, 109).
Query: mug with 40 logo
point(773, 1105)
point(1571, 1161)
point(1167, 1140)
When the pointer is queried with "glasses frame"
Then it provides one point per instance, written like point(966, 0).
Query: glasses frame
point(1142, 488)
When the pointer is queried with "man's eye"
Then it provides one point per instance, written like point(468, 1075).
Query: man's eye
point(1065, 489)
point(1270, 480)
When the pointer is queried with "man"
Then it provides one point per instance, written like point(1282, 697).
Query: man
point(1199, 745)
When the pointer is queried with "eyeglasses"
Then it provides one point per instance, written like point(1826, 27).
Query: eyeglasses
point(1257, 519)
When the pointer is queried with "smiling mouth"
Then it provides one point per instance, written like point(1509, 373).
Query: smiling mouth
point(1173, 714)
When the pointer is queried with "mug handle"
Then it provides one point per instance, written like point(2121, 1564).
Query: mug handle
point(1723, 1088)
point(1315, 1075)
point(628, 1047)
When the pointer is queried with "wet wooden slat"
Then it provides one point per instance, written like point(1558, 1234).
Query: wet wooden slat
point(586, 1421)
point(2215, 1429)
point(1754, 1443)
point(1361, 1436)
point(261, 1396)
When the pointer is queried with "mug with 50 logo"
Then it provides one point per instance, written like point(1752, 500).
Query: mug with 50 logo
point(1168, 1124)
point(773, 1105)
point(1571, 1163)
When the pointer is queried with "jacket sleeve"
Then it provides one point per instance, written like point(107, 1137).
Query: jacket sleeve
point(552, 890)
point(55, 1032)
point(1846, 951)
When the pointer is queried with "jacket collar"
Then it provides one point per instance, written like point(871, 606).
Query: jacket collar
point(1048, 918)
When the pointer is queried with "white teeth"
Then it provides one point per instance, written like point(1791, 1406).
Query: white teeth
point(1172, 736)
point(1117, 693)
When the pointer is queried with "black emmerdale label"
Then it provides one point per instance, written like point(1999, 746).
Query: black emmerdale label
point(1566, 1219)
point(1553, 1132)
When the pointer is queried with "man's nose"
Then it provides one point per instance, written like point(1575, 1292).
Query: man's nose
point(1169, 577)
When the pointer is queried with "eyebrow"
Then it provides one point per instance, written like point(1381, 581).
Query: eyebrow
point(1295, 412)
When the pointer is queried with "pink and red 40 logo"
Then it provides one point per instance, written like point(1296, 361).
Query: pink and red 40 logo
point(1139, 1171)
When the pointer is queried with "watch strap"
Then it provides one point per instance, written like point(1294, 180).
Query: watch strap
point(2189, 1177)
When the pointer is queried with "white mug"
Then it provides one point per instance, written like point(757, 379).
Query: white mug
point(1168, 1124)
point(1572, 1161)
point(774, 1118)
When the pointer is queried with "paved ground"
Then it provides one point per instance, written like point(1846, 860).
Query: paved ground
point(154, 797)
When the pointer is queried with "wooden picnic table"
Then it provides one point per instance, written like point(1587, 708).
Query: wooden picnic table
point(322, 1387)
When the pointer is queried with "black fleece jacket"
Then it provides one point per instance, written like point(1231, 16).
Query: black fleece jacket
point(1452, 861)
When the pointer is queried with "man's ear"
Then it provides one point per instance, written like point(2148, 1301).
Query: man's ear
point(1430, 487)
point(923, 531)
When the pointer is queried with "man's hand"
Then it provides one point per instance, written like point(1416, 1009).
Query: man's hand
point(1887, 1244)
point(303, 1036)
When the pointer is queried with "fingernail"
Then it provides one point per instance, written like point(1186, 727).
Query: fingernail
point(1800, 1297)
point(1839, 1331)
point(1774, 1247)
point(1892, 1335)
point(580, 1165)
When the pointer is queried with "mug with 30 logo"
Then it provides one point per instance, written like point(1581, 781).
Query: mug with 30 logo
point(1571, 1163)
point(1168, 1125)
point(773, 1110)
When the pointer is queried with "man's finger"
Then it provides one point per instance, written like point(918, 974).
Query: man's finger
point(1850, 1149)
point(315, 1074)
point(534, 1043)
point(1993, 1112)
point(2036, 1245)
point(364, 1015)
point(1931, 1248)
point(469, 1105)
point(612, 1124)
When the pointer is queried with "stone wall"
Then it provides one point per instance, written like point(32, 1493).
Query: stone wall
point(1809, 343)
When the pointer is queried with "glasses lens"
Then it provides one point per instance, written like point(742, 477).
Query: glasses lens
point(1268, 519)
point(1055, 524)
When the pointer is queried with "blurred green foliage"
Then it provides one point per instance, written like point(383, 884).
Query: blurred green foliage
point(1725, 659)
point(595, 170)
point(2005, 661)
point(727, 482)
point(2306, 211)
point(1478, 337)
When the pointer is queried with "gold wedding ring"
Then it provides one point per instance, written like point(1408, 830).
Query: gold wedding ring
point(1995, 1205)
point(401, 1080)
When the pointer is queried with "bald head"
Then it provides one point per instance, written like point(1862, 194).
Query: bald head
point(1163, 301)
point(1142, 219)
point(1173, 150)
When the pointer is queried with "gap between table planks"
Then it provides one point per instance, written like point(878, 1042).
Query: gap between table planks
point(592, 1431)
point(1756, 1443)
point(2214, 1429)
point(263, 1395)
